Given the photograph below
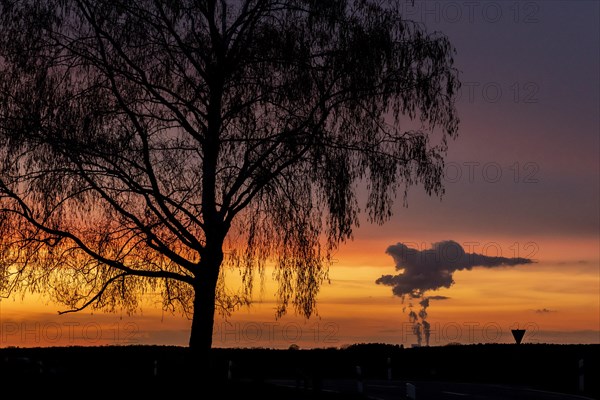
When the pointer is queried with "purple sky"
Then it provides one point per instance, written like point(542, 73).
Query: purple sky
point(526, 159)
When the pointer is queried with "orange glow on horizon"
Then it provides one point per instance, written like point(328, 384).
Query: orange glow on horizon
point(555, 299)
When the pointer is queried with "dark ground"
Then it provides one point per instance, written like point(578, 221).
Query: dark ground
point(79, 372)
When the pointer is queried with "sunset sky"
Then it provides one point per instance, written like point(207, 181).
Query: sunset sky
point(523, 180)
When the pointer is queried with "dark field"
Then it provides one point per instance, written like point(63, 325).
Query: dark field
point(80, 372)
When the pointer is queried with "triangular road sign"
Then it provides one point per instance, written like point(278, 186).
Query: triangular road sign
point(518, 335)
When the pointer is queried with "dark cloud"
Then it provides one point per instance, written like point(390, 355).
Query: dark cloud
point(544, 311)
point(438, 297)
point(432, 269)
point(580, 262)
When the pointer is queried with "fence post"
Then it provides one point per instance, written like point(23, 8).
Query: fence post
point(359, 379)
point(411, 391)
point(581, 376)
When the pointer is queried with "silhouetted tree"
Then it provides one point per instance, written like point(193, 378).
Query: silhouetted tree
point(146, 145)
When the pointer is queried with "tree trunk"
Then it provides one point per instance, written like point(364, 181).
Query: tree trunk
point(204, 313)
point(203, 318)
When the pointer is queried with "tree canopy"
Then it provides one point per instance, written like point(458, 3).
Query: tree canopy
point(146, 145)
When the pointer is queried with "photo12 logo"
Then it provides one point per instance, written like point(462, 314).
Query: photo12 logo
point(472, 12)
point(67, 333)
point(495, 92)
point(267, 333)
point(451, 252)
point(471, 332)
point(491, 172)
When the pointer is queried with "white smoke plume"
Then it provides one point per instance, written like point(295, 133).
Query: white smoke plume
point(429, 270)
